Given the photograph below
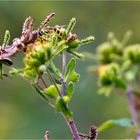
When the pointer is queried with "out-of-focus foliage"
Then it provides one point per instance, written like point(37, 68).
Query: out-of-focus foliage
point(23, 114)
point(118, 65)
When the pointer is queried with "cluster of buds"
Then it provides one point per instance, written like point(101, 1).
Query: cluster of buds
point(114, 58)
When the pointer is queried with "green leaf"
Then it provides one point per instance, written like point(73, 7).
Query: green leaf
point(61, 106)
point(126, 38)
point(112, 123)
point(70, 68)
point(70, 88)
point(70, 26)
point(53, 69)
point(60, 48)
point(6, 38)
point(76, 54)
point(40, 92)
point(86, 40)
point(123, 122)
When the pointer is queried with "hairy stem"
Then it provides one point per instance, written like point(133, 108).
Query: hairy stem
point(63, 86)
point(133, 110)
point(64, 62)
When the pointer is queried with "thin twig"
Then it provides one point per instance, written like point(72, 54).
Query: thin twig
point(46, 135)
point(53, 81)
point(41, 78)
point(64, 62)
point(39, 87)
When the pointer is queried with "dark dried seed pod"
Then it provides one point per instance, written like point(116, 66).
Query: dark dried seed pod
point(6, 61)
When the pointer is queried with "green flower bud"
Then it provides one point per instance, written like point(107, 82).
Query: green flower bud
point(73, 44)
point(66, 99)
point(30, 73)
point(106, 79)
point(51, 91)
point(111, 76)
point(74, 77)
point(32, 62)
point(132, 53)
point(109, 52)
point(42, 68)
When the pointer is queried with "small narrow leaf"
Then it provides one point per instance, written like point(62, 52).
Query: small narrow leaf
point(54, 70)
point(6, 38)
point(76, 54)
point(86, 40)
point(60, 48)
point(70, 67)
point(40, 93)
point(123, 122)
point(112, 123)
point(70, 88)
point(70, 26)
point(126, 38)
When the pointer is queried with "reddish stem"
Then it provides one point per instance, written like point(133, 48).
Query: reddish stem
point(40, 88)
point(41, 78)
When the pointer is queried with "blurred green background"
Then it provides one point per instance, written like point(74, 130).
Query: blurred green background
point(23, 114)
